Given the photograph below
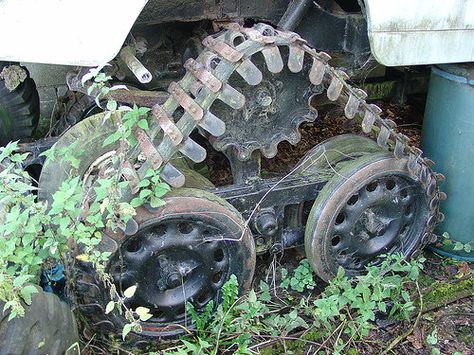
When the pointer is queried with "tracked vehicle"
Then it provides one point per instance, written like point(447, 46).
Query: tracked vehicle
point(238, 78)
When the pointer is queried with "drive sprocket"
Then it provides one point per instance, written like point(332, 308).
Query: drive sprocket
point(273, 109)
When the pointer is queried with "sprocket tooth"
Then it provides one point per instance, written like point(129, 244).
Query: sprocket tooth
point(269, 151)
point(193, 150)
point(250, 73)
point(295, 58)
point(232, 97)
point(295, 137)
point(336, 85)
point(244, 153)
point(273, 59)
point(213, 124)
point(172, 176)
point(318, 69)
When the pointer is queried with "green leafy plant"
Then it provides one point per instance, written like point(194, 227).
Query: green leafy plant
point(457, 245)
point(343, 313)
point(302, 278)
point(33, 234)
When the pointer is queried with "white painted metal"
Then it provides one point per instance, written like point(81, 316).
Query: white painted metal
point(411, 32)
point(71, 32)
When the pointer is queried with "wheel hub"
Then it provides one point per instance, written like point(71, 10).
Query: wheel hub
point(172, 262)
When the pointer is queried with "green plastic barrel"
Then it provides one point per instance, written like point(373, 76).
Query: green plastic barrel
point(448, 139)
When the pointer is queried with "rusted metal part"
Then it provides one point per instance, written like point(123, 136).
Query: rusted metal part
point(222, 59)
point(167, 125)
point(148, 148)
point(127, 54)
point(142, 98)
point(203, 75)
point(186, 102)
point(129, 173)
point(223, 49)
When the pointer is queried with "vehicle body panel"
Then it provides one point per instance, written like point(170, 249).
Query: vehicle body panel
point(86, 32)
point(407, 32)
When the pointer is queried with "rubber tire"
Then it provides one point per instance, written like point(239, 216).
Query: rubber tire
point(19, 109)
point(47, 321)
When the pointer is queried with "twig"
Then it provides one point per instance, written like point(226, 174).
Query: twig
point(407, 333)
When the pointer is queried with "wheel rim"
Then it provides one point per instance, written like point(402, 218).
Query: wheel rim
point(375, 220)
point(184, 260)
point(372, 207)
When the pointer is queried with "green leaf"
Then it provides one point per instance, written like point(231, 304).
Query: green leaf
point(126, 329)
point(136, 202)
point(26, 293)
point(111, 105)
point(156, 202)
point(145, 193)
point(20, 280)
point(143, 124)
point(143, 313)
point(110, 307)
point(458, 246)
point(129, 292)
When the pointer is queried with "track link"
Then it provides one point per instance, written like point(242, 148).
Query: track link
point(206, 81)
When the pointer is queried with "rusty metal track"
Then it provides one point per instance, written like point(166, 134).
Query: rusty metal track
point(206, 81)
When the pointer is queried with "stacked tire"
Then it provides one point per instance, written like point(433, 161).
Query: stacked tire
point(48, 327)
point(19, 109)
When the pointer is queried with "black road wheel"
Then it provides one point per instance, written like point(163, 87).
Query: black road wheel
point(48, 327)
point(182, 253)
point(19, 109)
point(371, 207)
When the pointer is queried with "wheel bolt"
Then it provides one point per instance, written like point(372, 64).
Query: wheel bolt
point(263, 99)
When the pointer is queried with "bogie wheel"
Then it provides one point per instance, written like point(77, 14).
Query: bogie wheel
point(325, 156)
point(182, 253)
point(372, 206)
